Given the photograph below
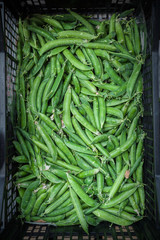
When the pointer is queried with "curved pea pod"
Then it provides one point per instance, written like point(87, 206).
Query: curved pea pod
point(111, 218)
point(38, 203)
point(89, 85)
point(83, 21)
point(79, 211)
point(41, 31)
point(78, 148)
point(88, 110)
point(129, 44)
point(133, 78)
point(50, 21)
point(132, 113)
point(61, 145)
point(133, 125)
point(74, 61)
point(124, 147)
point(106, 86)
point(82, 120)
point(58, 43)
point(119, 198)
point(80, 192)
point(47, 140)
point(113, 75)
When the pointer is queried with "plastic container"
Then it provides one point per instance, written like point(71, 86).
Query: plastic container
point(14, 229)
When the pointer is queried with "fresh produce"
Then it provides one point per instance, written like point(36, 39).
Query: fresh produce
point(78, 133)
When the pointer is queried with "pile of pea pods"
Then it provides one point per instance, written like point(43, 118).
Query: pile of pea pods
point(78, 135)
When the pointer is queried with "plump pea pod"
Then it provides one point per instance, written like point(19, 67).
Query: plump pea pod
point(129, 44)
point(114, 111)
point(137, 40)
point(79, 211)
point(88, 173)
point(47, 140)
point(134, 205)
point(133, 78)
point(48, 121)
point(96, 113)
point(112, 218)
point(81, 163)
point(75, 98)
point(112, 23)
point(83, 21)
point(74, 61)
point(76, 84)
point(28, 193)
point(41, 32)
point(89, 85)
point(80, 192)
point(33, 94)
point(60, 42)
point(75, 34)
point(119, 32)
point(95, 61)
point(117, 182)
point(124, 147)
point(38, 203)
point(51, 177)
point(66, 110)
point(133, 125)
point(119, 198)
point(81, 56)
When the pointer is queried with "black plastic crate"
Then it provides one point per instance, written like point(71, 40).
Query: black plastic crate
point(14, 229)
